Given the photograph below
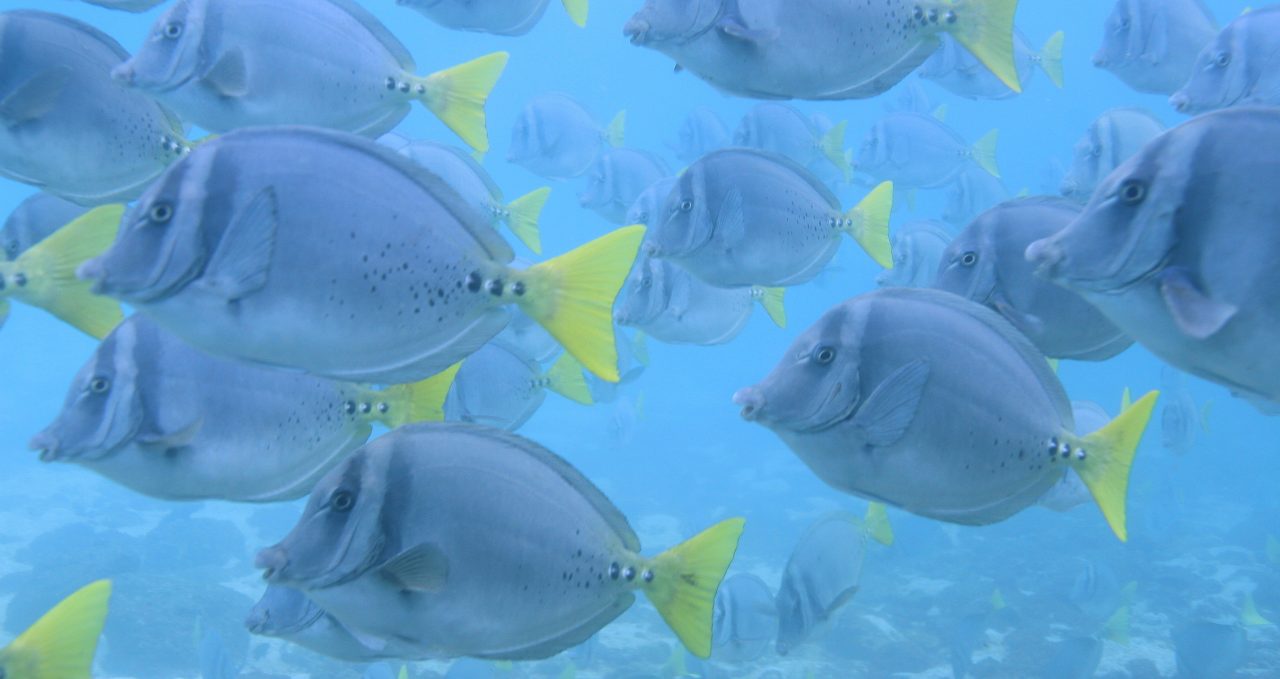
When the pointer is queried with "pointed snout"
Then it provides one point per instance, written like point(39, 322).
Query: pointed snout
point(752, 401)
point(123, 74)
point(1099, 60)
point(94, 271)
point(1180, 102)
point(1047, 255)
point(636, 30)
point(272, 561)
point(257, 620)
point(46, 444)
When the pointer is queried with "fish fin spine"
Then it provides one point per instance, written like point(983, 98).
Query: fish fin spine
point(577, 11)
point(984, 153)
point(771, 299)
point(616, 133)
point(1051, 59)
point(50, 268)
point(565, 378)
point(421, 401)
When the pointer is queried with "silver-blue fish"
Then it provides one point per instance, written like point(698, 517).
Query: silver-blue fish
point(555, 137)
point(917, 249)
point(1152, 44)
point(1111, 139)
point(35, 219)
point(916, 150)
point(1240, 67)
point(616, 178)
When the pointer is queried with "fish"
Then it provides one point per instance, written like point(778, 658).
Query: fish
point(135, 6)
point(1236, 68)
point(466, 176)
point(633, 360)
point(445, 573)
point(746, 620)
point(525, 335)
point(823, 572)
point(1166, 265)
point(223, 244)
point(1071, 492)
point(1208, 650)
point(918, 151)
point(923, 400)
point(917, 248)
point(616, 179)
point(55, 88)
point(1151, 45)
point(223, 65)
point(1096, 592)
point(674, 306)
point(555, 137)
point(647, 206)
point(1180, 416)
point(35, 219)
point(1111, 139)
point(286, 613)
point(743, 217)
point(44, 275)
point(506, 17)
point(784, 130)
point(971, 193)
point(214, 661)
point(63, 641)
point(700, 133)
point(1074, 658)
point(167, 420)
point(986, 263)
point(826, 49)
point(502, 387)
point(955, 68)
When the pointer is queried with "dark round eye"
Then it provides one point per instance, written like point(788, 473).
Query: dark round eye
point(646, 282)
point(342, 501)
point(1124, 23)
point(160, 213)
point(172, 30)
point(686, 205)
point(969, 258)
point(1223, 59)
point(1133, 191)
point(824, 355)
point(99, 385)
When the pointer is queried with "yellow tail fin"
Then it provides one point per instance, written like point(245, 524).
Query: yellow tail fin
point(1051, 58)
point(577, 10)
point(4, 311)
point(523, 214)
point(1054, 364)
point(685, 580)
point(569, 672)
point(868, 223)
point(984, 153)
point(457, 96)
point(1116, 628)
point(418, 402)
point(572, 297)
point(877, 524)
point(50, 270)
point(997, 600)
point(832, 146)
point(404, 673)
point(565, 378)
point(616, 133)
point(1126, 399)
point(985, 28)
point(772, 301)
point(61, 644)
point(1108, 458)
point(1249, 615)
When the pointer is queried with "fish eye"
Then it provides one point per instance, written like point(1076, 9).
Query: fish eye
point(686, 205)
point(1223, 59)
point(824, 355)
point(160, 213)
point(969, 258)
point(342, 501)
point(172, 30)
point(1133, 191)
point(99, 385)
point(646, 281)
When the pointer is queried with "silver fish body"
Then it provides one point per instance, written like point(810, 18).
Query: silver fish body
point(746, 619)
point(1111, 139)
point(1237, 68)
point(617, 178)
point(917, 250)
point(821, 576)
point(33, 220)
point(1152, 44)
point(674, 306)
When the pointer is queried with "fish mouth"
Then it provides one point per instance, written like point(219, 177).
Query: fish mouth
point(755, 409)
point(637, 31)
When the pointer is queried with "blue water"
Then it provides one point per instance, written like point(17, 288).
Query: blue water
point(1198, 523)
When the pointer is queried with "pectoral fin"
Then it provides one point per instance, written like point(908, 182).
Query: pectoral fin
point(891, 407)
point(177, 438)
point(422, 568)
point(240, 263)
point(734, 28)
point(228, 76)
point(1196, 314)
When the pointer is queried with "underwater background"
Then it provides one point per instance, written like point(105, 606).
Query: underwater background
point(671, 451)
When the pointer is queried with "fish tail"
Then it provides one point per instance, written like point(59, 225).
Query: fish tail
point(985, 28)
point(984, 153)
point(868, 223)
point(876, 523)
point(565, 378)
point(1051, 58)
point(685, 579)
point(1109, 457)
point(616, 133)
point(832, 146)
point(1116, 628)
point(420, 401)
point(577, 11)
point(771, 299)
point(523, 214)
point(640, 347)
point(1249, 615)
point(457, 96)
point(61, 644)
point(50, 271)
point(1126, 399)
point(572, 297)
point(997, 600)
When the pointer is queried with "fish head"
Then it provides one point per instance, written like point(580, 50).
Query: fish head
point(649, 202)
point(11, 244)
point(816, 384)
point(968, 264)
point(342, 532)
point(1128, 228)
point(685, 222)
point(873, 153)
point(647, 293)
point(1123, 37)
point(748, 133)
point(160, 247)
point(526, 137)
point(103, 410)
point(601, 184)
point(172, 56)
point(1220, 76)
point(662, 22)
point(282, 611)
point(794, 622)
point(1086, 166)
